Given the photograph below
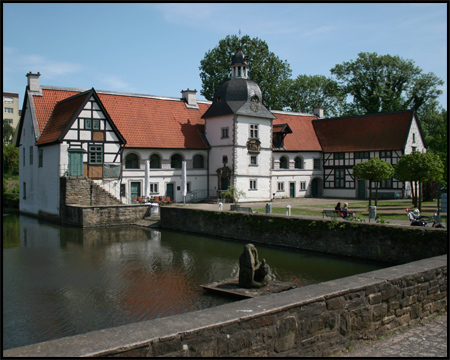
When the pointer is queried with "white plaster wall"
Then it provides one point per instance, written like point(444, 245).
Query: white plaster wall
point(196, 177)
point(213, 130)
point(48, 185)
point(414, 139)
point(262, 193)
point(243, 130)
point(42, 183)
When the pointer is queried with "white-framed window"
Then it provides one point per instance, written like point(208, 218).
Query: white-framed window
point(9, 121)
point(9, 110)
point(280, 186)
point(8, 100)
point(254, 131)
point(414, 137)
point(253, 184)
point(254, 160)
point(302, 185)
point(154, 188)
point(225, 133)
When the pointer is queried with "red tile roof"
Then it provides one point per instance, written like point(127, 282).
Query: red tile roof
point(142, 121)
point(364, 133)
point(303, 137)
point(156, 123)
point(61, 116)
point(45, 104)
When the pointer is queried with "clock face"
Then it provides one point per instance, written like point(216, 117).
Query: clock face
point(255, 104)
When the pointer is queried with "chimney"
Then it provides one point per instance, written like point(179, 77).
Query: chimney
point(319, 111)
point(189, 96)
point(33, 82)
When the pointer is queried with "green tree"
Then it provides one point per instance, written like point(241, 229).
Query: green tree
point(373, 170)
point(306, 92)
point(8, 132)
point(418, 168)
point(265, 68)
point(10, 160)
point(383, 83)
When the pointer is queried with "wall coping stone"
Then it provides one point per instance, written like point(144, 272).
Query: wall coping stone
point(127, 337)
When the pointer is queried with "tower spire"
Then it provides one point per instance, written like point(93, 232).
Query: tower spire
point(239, 63)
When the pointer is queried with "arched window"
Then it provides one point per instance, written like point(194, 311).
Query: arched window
point(284, 163)
point(198, 162)
point(175, 161)
point(155, 161)
point(132, 161)
point(298, 162)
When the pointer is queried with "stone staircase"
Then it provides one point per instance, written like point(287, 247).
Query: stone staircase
point(83, 191)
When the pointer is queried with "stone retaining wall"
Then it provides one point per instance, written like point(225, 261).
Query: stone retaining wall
point(91, 216)
point(316, 320)
point(378, 242)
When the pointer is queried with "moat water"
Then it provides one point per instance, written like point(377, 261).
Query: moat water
point(60, 281)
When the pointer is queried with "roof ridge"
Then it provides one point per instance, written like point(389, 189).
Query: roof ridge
point(119, 93)
point(366, 115)
point(281, 112)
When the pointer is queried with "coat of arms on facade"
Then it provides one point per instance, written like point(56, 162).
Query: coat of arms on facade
point(254, 146)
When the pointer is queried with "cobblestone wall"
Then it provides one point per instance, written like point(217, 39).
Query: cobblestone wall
point(316, 320)
point(378, 242)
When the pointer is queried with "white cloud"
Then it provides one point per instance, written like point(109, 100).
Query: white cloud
point(36, 62)
point(114, 83)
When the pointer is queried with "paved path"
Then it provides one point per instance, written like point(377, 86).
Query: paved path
point(424, 340)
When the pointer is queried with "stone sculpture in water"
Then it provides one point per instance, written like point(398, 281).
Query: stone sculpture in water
point(252, 273)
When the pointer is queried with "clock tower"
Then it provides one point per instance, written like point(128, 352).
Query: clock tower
point(238, 128)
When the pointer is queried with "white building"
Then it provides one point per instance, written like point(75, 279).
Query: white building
point(133, 145)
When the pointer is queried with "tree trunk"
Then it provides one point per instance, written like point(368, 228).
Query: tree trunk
point(420, 196)
point(376, 193)
point(370, 193)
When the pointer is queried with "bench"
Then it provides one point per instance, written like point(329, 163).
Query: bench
point(330, 213)
point(334, 213)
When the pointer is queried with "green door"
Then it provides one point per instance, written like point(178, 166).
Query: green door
point(292, 189)
point(169, 190)
point(314, 188)
point(75, 166)
point(361, 189)
point(135, 191)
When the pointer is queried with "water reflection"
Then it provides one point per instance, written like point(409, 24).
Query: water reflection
point(60, 281)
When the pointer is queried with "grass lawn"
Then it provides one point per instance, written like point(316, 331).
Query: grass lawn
point(387, 209)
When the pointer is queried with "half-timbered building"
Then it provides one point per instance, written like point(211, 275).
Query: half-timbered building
point(133, 145)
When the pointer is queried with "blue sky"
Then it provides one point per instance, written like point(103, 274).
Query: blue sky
point(156, 49)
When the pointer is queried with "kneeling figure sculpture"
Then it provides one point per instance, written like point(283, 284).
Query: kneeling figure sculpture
point(252, 273)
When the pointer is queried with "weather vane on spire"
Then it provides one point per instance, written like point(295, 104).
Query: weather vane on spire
point(239, 37)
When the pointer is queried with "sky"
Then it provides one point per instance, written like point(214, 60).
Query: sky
point(156, 48)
